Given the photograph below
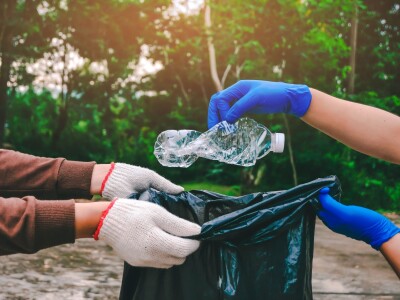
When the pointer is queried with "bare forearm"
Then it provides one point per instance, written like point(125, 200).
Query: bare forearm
point(87, 217)
point(391, 251)
point(99, 173)
point(364, 128)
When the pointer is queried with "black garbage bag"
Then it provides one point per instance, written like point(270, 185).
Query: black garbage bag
point(257, 246)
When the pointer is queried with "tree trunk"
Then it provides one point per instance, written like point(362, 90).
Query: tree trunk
point(247, 180)
point(61, 124)
point(211, 49)
point(203, 90)
point(218, 83)
point(353, 46)
point(291, 156)
point(63, 116)
point(183, 90)
point(4, 76)
point(6, 61)
point(260, 174)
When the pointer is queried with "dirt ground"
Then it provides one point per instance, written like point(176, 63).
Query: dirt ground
point(343, 269)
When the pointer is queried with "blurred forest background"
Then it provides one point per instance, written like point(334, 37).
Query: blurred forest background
point(99, 80)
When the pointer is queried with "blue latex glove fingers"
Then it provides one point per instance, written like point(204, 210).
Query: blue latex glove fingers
point(220, 102)
point(257, 96)
point(262, 97)
point(356, 222)
point(248, 103)
point(213, 114)
point(333, 214)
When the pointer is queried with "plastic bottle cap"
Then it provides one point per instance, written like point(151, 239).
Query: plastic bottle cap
point(279, 142)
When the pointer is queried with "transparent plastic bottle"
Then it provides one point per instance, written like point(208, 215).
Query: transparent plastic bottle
point(240, 144)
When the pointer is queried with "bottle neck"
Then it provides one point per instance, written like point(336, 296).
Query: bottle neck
point(277, 142)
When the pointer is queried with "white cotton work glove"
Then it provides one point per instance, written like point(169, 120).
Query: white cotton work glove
point(124, 179)
point(145, 234)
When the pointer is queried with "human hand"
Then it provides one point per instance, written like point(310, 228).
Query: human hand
point(145, 234)
point(355, 222)
point(257, 96)
point(123, 180)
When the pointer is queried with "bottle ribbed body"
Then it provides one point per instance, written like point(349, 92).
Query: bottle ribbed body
point(240, 144)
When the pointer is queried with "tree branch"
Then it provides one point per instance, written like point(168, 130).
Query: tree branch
point(211, 49)
point(353, 45)
point(291, 156)
point(185, 95)
point(3, 24)
point(229, 66)
point(238, 70)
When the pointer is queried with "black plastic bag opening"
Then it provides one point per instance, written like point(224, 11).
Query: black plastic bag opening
point(257, 246)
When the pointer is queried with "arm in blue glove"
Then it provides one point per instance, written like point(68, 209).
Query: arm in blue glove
point(257, 96)
point(362, 224)
point(345, 121)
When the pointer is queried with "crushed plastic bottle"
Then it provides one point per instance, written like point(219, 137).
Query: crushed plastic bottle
point(240, 144)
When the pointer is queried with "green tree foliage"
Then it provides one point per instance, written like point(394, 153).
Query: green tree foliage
point(24, 34)
point(108, 116)
point(378, 57)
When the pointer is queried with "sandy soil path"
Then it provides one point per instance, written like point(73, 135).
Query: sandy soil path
point(343, 270)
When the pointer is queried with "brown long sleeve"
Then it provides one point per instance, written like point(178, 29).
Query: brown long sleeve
point(27, 224)
point(45, 178)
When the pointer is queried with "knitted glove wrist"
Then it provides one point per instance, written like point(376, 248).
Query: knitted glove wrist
point(145, 234)
point(124, 179)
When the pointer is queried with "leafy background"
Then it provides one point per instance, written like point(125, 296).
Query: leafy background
point(99, 80)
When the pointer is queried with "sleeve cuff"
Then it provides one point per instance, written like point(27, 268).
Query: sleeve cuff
point(55, 223)
point(74, 179)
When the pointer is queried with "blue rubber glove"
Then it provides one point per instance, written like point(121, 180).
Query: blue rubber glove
point(256, 96)
point(355, 222)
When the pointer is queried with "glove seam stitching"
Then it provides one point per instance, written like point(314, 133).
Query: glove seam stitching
point(103, 184)
point(101, 221)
